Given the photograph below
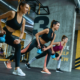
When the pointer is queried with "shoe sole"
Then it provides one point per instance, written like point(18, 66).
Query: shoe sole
point(17, 74)
point(44, 72)
point(59, 71)
point(5, 64)
point(27, 66)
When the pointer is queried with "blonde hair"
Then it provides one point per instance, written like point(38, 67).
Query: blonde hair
point(21, 3)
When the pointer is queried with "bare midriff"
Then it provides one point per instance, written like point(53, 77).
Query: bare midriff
point(10, 29)
point(42, 41)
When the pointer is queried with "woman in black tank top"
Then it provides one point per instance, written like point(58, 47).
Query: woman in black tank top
point(49, 36)
point(14, 22)
point(49, 33)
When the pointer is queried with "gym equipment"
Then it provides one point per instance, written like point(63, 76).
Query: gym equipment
point(2, 38)
point(39, 51)
point(53, 56)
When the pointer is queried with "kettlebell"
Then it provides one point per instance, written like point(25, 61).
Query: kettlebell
point(39, 51)
point(53, 56)
point(2, 38)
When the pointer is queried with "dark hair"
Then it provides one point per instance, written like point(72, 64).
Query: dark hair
point(54, 22)
point(22, 3)
point(63, 37)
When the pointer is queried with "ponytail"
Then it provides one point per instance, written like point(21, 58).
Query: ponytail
point(53, 22)
point(22, 3)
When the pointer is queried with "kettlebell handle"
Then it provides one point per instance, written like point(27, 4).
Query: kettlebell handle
point(1, 34)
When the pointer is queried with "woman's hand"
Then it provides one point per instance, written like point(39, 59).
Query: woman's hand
point(44, 49)
point(39, 46)
point(3, 32)
point(57, 58)
point(53, 52)
point(17, 41)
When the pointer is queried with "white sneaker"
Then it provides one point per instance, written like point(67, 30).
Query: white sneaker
point(19, 72)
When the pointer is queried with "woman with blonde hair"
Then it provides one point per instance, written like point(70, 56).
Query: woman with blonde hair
point(14, 22)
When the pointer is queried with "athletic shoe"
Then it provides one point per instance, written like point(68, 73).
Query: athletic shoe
point(7, 64)
point(58, 70)
point(18, 72)
point(28, 66)
point(46, 71)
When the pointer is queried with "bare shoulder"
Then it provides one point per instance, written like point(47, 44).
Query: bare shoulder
point(47, 30)
point(54, 34)
point(12, 12)
point(59, 43)
point(8, 14)
point(24, 20)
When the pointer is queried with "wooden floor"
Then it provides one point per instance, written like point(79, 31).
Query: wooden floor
point(34, 74)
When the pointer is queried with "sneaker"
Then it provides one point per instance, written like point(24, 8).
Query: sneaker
point(58, 70)
point(7, 64)
point(18, 72)
point(46, 71)
point(28, 66)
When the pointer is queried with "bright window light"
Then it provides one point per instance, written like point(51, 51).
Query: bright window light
point(28, 19)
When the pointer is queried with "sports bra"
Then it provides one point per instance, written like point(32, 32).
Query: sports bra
point(57, 48)
point(48, 37)
point(13, 23)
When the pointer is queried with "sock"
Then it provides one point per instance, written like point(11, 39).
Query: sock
point(44, 68)
point(32, 60)
point(59, 63)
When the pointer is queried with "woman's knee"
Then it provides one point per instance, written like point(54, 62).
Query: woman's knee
point(49, 52)
point(18, 46)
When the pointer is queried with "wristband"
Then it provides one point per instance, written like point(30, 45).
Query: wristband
point(20, 38)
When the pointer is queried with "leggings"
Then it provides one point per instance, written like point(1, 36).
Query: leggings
point(34, 44)
point(10, 40)
point(56, 55)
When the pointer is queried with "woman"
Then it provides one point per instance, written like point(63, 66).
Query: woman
point(47, 35)
point(14, 22)
point(59, 46)
point(1, 51)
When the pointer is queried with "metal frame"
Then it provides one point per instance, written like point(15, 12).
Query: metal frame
point(36, 4)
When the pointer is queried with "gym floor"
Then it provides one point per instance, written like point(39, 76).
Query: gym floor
point(35, 74)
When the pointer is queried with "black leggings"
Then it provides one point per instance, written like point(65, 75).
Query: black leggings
point(10, 40)
point(56, 55)
point(34, 44)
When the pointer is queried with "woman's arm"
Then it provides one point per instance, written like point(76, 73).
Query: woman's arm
point(60, 54)
point(51, 44)
point(22, 30)
point(22, 33)
point(54, 43)
point(61, 51)
point(45, 31)
point(5, 15)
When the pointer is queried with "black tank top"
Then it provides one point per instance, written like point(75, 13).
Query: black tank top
point(47, 37)
point(13, 23)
